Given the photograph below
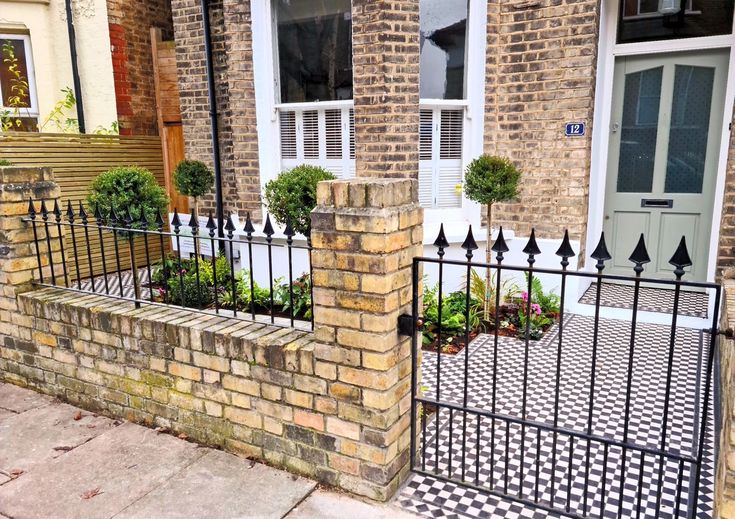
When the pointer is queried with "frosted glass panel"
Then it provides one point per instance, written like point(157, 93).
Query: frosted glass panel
point(690, 115)
point(638, 131)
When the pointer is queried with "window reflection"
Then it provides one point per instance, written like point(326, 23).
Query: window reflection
point(443, 42)
point(314, 50)
point(650, 20)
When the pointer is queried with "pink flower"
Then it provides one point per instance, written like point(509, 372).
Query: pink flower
point(524, 295)
point(536, 308)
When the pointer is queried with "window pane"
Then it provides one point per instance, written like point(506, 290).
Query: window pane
point(314, 50)
point(443, 40)
point(14, 75)
point(639, 130)
point(690, 116)
point(649, 20)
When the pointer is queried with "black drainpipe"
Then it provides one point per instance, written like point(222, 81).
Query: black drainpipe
point(219, 205)
point(75, 66)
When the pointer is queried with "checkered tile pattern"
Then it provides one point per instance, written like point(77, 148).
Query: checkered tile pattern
point(661, 300)
point(112, 286)
point(534, 464)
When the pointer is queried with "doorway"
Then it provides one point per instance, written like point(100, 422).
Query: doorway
point(664, 142)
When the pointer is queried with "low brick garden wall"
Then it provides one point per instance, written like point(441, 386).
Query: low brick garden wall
point(333, 405)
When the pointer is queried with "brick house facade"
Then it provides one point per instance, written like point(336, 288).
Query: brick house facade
point(545, 64)
point(132, 60)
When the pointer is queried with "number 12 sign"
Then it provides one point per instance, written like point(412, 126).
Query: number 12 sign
point(574, 130)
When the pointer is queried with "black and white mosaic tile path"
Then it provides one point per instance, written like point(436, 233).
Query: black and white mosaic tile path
point(546, 471)
point(114, 282)
point(661, 300)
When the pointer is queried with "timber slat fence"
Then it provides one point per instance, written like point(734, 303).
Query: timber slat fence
point(76, 160)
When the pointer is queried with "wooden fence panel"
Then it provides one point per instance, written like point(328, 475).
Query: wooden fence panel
point(76, 161)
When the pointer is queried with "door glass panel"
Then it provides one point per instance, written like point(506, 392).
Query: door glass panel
point(690, 114)
point(638, 131)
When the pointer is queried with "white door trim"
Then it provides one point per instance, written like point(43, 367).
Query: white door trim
point(608, 50)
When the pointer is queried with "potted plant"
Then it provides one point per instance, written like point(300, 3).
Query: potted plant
point(193, 178)
point(292, 196)
point(488, 180)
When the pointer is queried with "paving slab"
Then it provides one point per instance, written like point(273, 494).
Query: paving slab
point(4, 478)
point(328, 505)
point(19, 400)
point(99, 478)
point(4, 413)
point(34, 437)
point(223, 486)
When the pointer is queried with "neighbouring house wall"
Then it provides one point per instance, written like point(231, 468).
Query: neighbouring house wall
point(541, 69)
point(725, 480)
point(130, 22)
point(333, 404)
point(235, 92)
point(386, 87)
point(45, 22)
point(726, 248)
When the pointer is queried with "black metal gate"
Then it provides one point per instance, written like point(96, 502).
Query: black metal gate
point(586, 416)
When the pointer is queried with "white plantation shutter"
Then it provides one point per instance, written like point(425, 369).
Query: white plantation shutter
point(288, 135)
point(311, 134)
point(451, 134)
point(426, 134)
point(333, 133)
point(440, 157)
point(319, 137)
point(352, 136)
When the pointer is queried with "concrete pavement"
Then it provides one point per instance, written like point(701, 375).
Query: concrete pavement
point(57, 461)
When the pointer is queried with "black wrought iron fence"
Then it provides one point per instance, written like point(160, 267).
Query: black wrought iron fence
point(144, 260)
point(584, 415)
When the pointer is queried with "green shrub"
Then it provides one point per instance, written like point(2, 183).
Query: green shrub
point(293, 195)
point(301, 296)
point(5, 162)
point(128, 189)
point(193, 178)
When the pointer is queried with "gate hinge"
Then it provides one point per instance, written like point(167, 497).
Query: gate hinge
point(406, 324)
point(728, 333)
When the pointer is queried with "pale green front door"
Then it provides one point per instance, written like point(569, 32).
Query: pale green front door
point(665, 138)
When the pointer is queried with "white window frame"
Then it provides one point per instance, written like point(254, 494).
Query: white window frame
point(655, 14)
point(265, 67)
point(32, 111)
point(608, 51)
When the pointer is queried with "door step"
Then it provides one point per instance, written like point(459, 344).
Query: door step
point(658, 300)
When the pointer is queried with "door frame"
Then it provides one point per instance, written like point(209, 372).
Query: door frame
point(608, 52)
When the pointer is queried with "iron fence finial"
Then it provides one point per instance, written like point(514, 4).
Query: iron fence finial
point(680, 260)
point(640, 255)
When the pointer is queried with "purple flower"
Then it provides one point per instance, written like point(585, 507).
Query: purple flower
point(536, 308)
point(524, 295)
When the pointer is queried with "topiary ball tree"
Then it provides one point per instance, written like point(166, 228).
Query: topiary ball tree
point(490, 179)
point(292, 196)
point(128, 189)
point(193, 178)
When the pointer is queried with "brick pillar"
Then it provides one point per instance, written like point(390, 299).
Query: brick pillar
point(365, 234)
point(385, 57)
point(18, 263)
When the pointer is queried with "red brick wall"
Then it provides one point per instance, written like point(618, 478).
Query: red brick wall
point(130, 22)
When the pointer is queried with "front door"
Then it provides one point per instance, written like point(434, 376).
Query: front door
point(665, 139)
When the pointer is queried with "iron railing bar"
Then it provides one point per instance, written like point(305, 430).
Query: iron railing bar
point(414, 358)
point(44, 217)
point(562, 430)
point(148, 267)
point(76, 257)
point(568, 505)
point(117, 259)
point(440, 302)
point(57, 216)
point(496, 327)
point(102, 257)
point(584, 274)
point(705, 406)
point(465, 386)
point(667, 395)
point(35, 240)
point(526, 348)
point(593, 373)
point(557, 379)
point(134, 271)
point(204, 311)
point(256, 240)
point(195, 238)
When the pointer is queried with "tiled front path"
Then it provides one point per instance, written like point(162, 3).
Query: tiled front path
point(434, 498)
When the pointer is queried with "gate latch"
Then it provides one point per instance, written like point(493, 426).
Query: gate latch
point(406, 324)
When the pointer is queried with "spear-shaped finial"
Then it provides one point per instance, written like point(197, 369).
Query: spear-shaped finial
point(680, 260)
point(640, 256)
